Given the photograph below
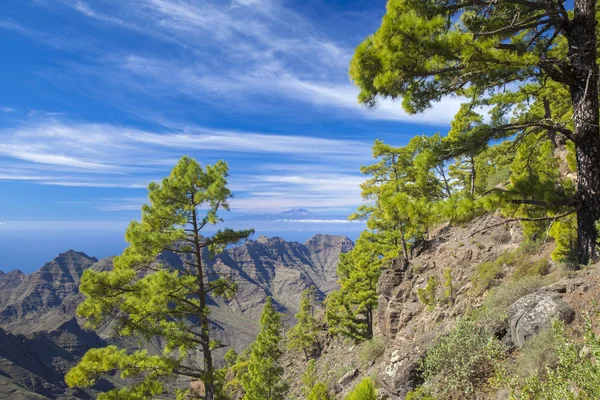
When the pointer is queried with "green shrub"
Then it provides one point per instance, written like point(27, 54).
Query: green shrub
point(485, 275)
point(427, 294)
point(500, 298)
point(577, 373)
point(539, 268)
point(488, 272)
point(538, 355)
point(371, 350)
point(309, 377)
point(462, 361)
point(564, 233)
point(365, 390)
point(319, 392)
point(419, 393)
point(416, 268)
point(448, 285)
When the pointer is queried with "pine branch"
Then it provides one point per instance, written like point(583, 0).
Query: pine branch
point(522, 219)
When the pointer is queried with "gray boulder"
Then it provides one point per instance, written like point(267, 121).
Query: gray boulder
point(535, 312)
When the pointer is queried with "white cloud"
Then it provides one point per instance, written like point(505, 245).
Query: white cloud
point(301, 170)
point(238, 57)
point(236, 141)
point(324, 221)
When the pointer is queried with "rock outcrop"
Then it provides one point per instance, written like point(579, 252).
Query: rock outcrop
point(535, 312)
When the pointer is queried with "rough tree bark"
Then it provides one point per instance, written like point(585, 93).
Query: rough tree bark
point(209, 381)
point(581, 35)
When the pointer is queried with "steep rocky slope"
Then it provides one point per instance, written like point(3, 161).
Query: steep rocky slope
point(406, 328)
point(41, 338)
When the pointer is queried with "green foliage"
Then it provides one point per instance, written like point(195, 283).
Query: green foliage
point(231, 357)
point(426, 51)
point(149, 372)
point(349, 310)
point(538, 355)
point(371, 350)
point(314, 389)
point(564, 233)
point(577, 372)
point(401, 192)
point(427, 295)
point(319, 392)
point(538, 268)
point(147, 299)
point(309, 377)
point(364, 390)
point(485, 275)
point(303, 336)
point(236, 369)
point(500, 298)
point(571, 156)
point(462, 360)
point(263, 381)
point(448, 285)
point(490, 271)
point(419, 393)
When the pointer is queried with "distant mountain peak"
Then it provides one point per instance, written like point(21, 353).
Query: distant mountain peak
point(77, 254)
point(297, 211)
point(293, 213)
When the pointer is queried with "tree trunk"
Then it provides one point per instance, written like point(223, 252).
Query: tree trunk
point(369, 323)
point(588, 193)
point(209, 381)
point(584, 96)
point(473, 175)
point(403, 243)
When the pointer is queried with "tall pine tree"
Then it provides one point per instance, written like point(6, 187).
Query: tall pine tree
point(349, 310)
point(303, 335)
point(264, 379)
point(148, 299)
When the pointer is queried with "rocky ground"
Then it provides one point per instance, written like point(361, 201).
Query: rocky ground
point(406, 328)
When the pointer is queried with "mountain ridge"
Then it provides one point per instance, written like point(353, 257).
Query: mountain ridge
point(37, 310)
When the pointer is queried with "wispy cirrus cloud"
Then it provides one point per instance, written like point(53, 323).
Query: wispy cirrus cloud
point(57, 152)
point(240, 55)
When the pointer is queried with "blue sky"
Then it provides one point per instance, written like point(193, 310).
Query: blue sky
point(101, 97)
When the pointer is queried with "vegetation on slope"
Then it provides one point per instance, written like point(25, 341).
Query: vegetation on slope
point(524, 143)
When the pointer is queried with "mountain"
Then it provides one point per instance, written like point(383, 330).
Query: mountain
point(294, 213)
point(41, 337)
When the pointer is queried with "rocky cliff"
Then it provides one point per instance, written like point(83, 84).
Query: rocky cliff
point(491, 267)
point(41, 338)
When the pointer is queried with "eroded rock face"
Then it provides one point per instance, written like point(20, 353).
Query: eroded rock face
point(394, 309)
point(407, 326)
point(535, 312)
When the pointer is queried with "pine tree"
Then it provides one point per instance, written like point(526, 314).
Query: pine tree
point(313, 389)
point(237, 368)
point(264, 379)
point(319, 392)
point(448, 284)
point(309, 377)
point(349, 310)
point(147, 299)
point(532, 64)
point(400, 193)
point(303, 336)
point(364, 390)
